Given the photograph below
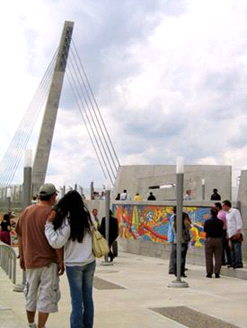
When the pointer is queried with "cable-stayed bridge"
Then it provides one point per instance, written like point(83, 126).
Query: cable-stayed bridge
point(66, 63)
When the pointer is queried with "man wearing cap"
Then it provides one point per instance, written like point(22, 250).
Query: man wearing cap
point(42, 263)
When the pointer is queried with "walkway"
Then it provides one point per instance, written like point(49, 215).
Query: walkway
point(134, 293)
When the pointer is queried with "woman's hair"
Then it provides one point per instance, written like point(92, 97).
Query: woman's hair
point(7, 219)
point(71, 206)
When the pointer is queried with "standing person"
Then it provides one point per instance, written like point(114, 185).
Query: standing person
point(124, 195)
point(215, 195)
point(226, 251)
point(151, 196)
point(118, 197)
point(187, 196)
point(137, 197)
point(113, 234)
point(35, 199)
point(41, 262)
point(95, 218)
point(69, 226)
point(185, 238)
point(234, 232)
point(102, 196)
point(5, 227)
point(213, 246)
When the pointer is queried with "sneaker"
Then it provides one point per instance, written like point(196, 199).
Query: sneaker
point(32, 325)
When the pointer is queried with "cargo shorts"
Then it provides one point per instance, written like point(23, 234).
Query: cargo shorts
point(42, 289)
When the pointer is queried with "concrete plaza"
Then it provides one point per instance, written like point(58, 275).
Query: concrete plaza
point(134, 293)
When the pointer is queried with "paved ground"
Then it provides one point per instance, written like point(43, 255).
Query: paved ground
point(134, 293)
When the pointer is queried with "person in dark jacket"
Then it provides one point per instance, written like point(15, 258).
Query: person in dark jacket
point(113, 233)
point(213, 246)
point(215, 195)
point(151, 196)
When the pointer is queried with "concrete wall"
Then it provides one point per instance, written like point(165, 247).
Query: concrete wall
point(99, 204)
point(138, 178)
point(134, 238)
point(242, 205)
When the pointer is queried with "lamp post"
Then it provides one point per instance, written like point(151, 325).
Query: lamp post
point(179, 217)
point(203, 189)
point(27, 179)
point(27, 192)
point(107, 218)
point(81, 190)
point(9, 197)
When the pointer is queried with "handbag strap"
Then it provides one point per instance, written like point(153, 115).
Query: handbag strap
point(91, 224)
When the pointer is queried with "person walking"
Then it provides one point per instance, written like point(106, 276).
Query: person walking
point(42, 263)
point(113, 234)
point(213, 246)
point(226, 251)
point(69, 226)
point(234, 232)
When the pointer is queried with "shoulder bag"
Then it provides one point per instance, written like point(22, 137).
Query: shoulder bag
point(100, 244)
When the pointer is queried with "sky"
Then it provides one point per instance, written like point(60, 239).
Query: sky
point(169, 76)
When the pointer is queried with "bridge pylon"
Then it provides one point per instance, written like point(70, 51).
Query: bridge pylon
point(49, 119)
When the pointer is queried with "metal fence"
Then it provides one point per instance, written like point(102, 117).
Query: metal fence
point(8, 261)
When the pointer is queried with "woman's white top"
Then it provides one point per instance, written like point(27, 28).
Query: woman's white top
point(75, 253)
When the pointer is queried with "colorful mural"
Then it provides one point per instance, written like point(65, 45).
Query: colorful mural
point(150, 222)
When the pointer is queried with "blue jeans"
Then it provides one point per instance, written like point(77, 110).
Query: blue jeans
point(81, 291)
point(184, 248)
point(236, 254)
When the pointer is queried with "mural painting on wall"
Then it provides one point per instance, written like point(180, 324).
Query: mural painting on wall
point(149, 222)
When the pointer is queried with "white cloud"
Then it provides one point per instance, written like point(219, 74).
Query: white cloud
point(170, 80)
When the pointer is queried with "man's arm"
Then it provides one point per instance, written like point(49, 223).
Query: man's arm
point(22, 263)
point(238, 221)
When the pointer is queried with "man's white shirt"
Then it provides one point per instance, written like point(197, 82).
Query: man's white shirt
point(234, 221)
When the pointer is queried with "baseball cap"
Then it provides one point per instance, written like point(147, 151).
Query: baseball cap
point(47, 189)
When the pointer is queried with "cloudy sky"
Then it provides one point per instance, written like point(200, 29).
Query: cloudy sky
point(169, 76)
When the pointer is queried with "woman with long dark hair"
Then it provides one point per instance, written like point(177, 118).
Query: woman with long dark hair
point(69, 226)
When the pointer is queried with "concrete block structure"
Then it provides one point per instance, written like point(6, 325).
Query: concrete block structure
point(138, 178)
point(134, 215)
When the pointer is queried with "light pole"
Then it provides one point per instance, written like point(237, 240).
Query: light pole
point(107, 219)
point(9, 197)
point(81, 190)
point(203, 189)
point(179, 215)
point(27, 192)
point(27, 180)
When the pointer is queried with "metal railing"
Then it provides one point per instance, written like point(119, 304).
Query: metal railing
point(8, 261)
